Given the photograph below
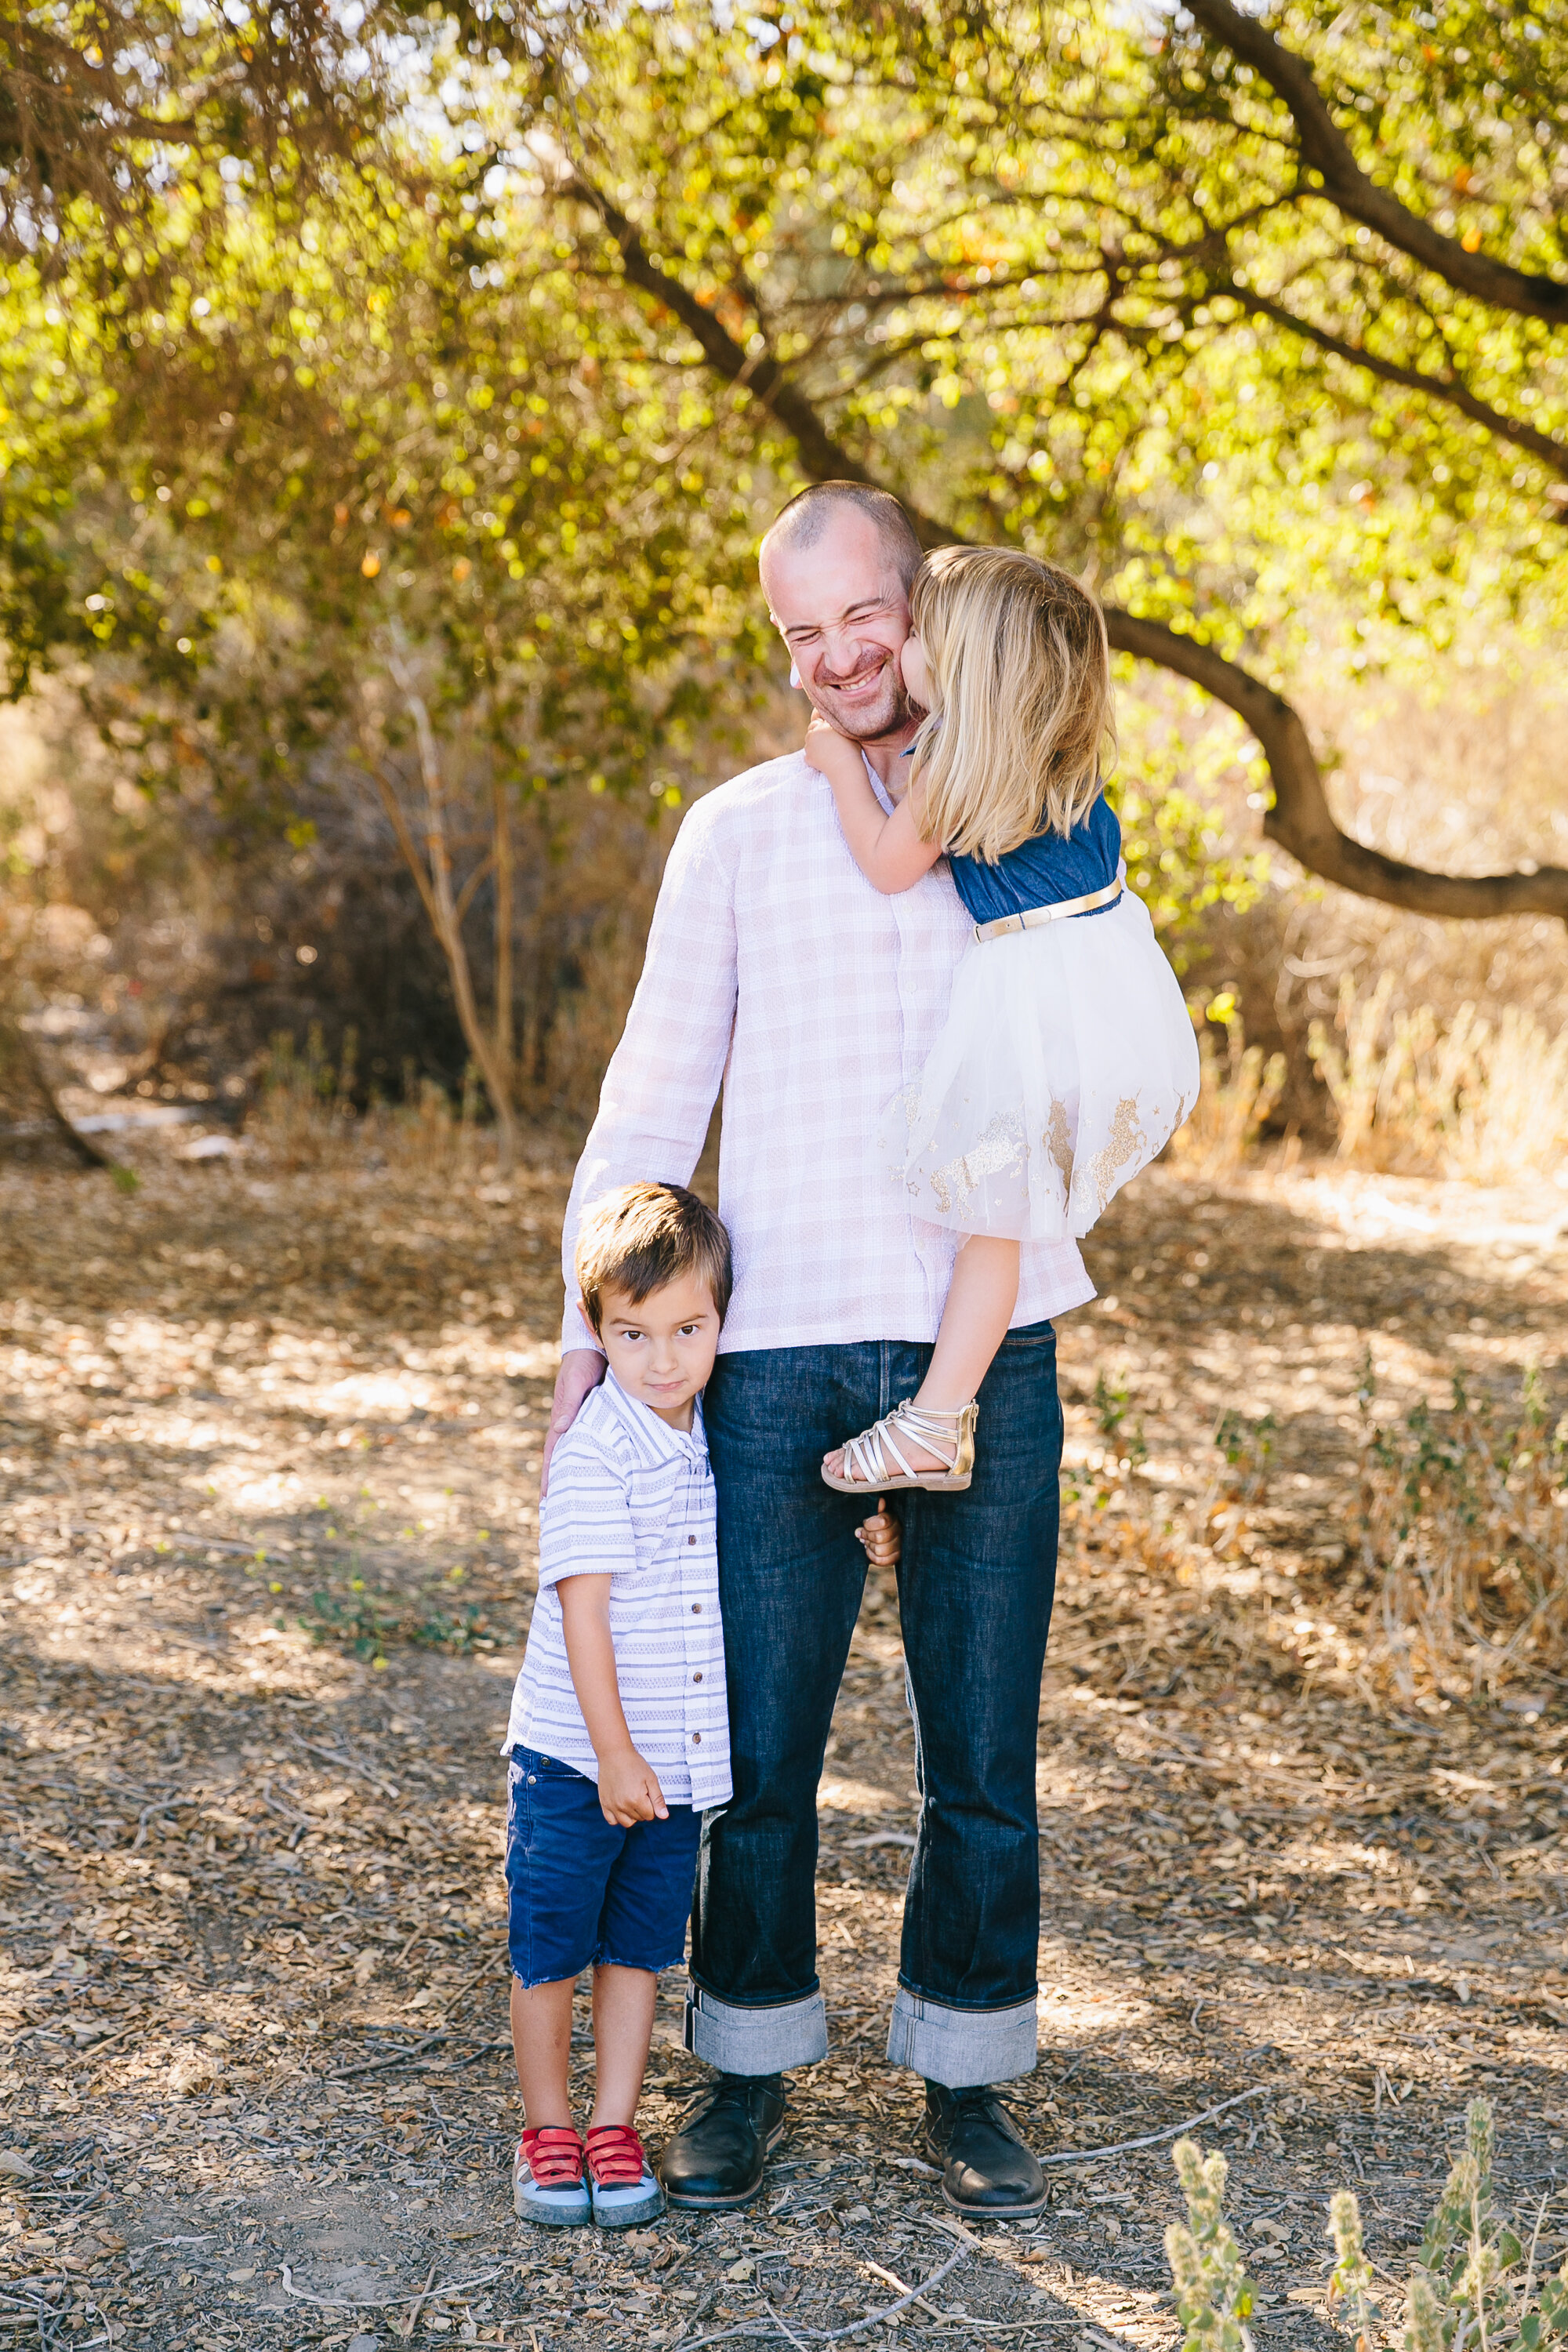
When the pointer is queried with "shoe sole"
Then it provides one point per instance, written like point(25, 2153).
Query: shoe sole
point(995, 2212)
point(628, 2217)
point(986, 2213)
point(689, 2204)
point(541, 2219)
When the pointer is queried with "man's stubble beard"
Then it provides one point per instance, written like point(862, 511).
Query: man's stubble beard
point(905, 714)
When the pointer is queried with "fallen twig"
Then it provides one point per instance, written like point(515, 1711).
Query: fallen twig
point(855, 2326)
point(386, 2303)
point(347, 1763)
point(396, 2058)
point(1149, 2140)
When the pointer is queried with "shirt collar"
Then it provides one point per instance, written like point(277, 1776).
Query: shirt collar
point(645, 1424)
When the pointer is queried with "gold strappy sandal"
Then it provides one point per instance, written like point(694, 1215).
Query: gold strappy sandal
point(874, 1464)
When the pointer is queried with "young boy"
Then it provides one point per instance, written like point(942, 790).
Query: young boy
point(619, 1734)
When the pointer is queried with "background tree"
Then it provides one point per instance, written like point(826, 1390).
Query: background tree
point(1131, 295)
point(432, 433)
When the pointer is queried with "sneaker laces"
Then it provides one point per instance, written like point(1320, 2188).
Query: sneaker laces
point(614, 2156)
point(553, 2155)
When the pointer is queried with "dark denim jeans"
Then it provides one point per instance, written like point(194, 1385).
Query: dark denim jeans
point(975, 1589)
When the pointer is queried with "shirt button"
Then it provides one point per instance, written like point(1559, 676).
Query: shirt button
point(692, 1539)
point(697, 1608)
point(697, 1739)
point(697, 1679)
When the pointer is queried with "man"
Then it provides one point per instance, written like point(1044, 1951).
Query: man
point(774, 967)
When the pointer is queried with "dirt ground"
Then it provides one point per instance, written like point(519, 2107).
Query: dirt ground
point(269, 1443)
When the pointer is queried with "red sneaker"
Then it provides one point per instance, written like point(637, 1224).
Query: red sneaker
point(625, 2191)
point(547, 2183)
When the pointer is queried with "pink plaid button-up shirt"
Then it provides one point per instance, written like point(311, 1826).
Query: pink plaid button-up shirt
point(774, 969)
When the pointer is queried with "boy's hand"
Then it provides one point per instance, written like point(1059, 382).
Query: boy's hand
point(629, 1789)
point(882, 1537)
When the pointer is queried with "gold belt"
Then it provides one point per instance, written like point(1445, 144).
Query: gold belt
point(1033, 916)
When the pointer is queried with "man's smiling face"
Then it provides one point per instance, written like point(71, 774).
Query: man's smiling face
point(841, 610)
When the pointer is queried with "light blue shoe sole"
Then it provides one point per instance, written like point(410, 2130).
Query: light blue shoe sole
point(617, 2216)
point(554, 2212)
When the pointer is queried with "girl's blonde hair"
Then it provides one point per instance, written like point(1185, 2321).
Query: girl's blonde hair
point(1020, 672)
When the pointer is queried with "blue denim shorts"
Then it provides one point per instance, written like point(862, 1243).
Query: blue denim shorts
point(580, 1891)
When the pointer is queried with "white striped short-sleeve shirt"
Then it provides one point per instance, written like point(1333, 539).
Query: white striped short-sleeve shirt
point(631, 1499)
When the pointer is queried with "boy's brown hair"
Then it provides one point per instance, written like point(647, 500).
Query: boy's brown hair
point(642, 1237)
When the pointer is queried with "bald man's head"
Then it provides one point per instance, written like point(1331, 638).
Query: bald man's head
point(812, 513)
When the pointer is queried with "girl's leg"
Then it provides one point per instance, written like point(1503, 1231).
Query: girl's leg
point(542, 2045)
point(623, 2030)
point(979, 1303)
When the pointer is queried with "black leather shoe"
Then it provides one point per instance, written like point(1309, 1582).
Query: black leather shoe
point(716, 2158)
point(985, 2168)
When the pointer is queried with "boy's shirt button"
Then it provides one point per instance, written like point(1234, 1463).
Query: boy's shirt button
point(692, 1539)
point(697, 1608)
point(697, 1739)
point(697, 1679)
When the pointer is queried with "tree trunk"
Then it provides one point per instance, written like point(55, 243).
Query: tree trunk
point(433, 874)
point(505, 872)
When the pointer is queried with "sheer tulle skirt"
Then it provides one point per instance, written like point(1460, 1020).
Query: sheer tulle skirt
point(1066, 1062)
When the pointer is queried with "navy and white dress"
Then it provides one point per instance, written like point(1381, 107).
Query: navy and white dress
point(1068, 1059)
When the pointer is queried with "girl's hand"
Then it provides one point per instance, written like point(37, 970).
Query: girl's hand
point(629, 1789)
point(830, 753)
point(882, 1537)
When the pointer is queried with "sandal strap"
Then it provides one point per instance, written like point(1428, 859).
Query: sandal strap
point(553, 2155)
point(615, 2155)
point(941, 1431)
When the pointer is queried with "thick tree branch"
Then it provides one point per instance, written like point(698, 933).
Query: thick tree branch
point(1300, 820)
point(762, 377)
point(1448, 389)
point(1324, 149)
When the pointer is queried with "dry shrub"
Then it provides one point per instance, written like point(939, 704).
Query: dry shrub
point(306, 1117)
point(1457, 1580)
point(1464, 1526)
point(1455, 765)
point(1467, 1097)
point(1239, 1090)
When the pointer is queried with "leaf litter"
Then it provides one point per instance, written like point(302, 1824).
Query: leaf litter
point(269, 1448)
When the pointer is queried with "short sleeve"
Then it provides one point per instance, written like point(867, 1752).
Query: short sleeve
point(586, 1517)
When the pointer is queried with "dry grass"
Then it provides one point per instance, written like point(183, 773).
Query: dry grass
point(1464, 1526)
point(1466, 1095)
point(1238, 1089)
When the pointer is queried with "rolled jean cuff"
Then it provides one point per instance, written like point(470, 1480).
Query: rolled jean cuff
point(756, 2041)
point(960, 2048)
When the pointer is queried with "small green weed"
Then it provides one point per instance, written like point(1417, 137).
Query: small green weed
point(370, 1624)
point(1475, 2286)
point(1112, 1404)
point(1214, 2297)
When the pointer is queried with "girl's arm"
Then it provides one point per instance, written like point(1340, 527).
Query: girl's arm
point(887, 849)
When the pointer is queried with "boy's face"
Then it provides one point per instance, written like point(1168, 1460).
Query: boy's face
point(661, 1348)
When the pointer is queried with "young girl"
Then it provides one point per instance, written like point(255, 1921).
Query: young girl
point(1068, 1058)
